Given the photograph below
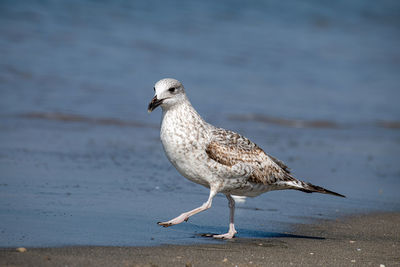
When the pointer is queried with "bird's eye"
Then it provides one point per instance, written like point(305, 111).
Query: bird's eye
point(172, 89)
point(154, 89)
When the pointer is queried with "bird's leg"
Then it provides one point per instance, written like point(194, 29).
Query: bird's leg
point(231, 233)
point(185, 216)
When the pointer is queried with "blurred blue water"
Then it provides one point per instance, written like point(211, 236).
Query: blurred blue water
point(86, 182)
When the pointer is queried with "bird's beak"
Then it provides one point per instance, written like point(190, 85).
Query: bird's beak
point(154, 103)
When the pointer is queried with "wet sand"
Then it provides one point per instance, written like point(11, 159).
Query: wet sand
point(315, 85)
point(362, 240)
point(81, 162)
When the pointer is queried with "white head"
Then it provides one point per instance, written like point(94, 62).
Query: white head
point(167, 93)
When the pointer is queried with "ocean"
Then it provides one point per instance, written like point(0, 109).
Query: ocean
point(314, 83)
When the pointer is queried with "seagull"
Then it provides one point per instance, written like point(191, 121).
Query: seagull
point(219, 159)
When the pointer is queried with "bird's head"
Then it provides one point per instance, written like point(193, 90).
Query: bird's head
point(167, 93)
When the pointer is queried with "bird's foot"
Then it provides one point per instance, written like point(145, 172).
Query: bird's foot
point(165, 224)
point(181, 218)
point(228, 235)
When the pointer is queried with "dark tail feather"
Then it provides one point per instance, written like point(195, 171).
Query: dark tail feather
point(310, 188)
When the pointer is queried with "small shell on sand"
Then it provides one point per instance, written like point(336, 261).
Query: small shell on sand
point(21, 249)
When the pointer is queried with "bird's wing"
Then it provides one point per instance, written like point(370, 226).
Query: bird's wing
point(240, 154)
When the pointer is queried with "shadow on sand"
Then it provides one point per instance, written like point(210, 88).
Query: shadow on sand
point(247, 235)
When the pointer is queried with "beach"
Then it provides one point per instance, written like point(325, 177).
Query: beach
point(83, 175)
point(362, 240)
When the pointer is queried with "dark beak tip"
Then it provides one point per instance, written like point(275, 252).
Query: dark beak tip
point(150, 108)
point(154, 103)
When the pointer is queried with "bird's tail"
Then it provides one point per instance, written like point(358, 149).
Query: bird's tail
point(293, 183)
point(310, 188)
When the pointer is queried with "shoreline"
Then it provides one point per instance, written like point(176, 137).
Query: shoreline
point(357, 240)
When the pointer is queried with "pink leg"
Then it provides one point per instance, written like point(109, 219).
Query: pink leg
point(231, 233)
point(185, 216)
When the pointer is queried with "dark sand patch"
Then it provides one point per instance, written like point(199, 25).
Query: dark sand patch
point(364, 240)
point(293, 123)
point(85, 119)
point(389, 124)
point(287, 122)
point(298, 123)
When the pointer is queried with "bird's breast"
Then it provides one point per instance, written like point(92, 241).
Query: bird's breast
point(184, 145)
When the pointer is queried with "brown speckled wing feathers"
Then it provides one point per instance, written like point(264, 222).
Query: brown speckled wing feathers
point(229, 148)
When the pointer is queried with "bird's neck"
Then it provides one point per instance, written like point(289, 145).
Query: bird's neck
point(182, 113)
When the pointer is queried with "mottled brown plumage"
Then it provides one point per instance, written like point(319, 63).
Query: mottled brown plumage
point(222, 160)
point(230, 149)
